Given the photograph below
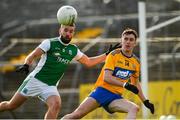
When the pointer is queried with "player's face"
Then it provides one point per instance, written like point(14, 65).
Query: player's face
point(128, 42)
point(67, 32)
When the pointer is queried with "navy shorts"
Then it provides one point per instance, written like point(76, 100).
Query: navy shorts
point(104, 97)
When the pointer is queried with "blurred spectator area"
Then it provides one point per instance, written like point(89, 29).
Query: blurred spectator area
point(37, 18)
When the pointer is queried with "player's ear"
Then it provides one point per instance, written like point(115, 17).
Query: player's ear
point(136, 42)
point(59, 30)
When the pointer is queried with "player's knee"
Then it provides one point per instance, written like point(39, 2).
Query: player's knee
point(12, 106)
point(116, 109)
point(3, 105)
point(72, 115)
point(134, 108)
point(55, 106)
point(8, 106)
point(77, 115)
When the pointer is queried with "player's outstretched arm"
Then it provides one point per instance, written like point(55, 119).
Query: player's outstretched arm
point(145, 101)
point(149, 105)
point(114, 81)
point(111, 79)
point(23, 69)
point(91, 61)
point(29, 59)
point(33, 55)
point(131, 87)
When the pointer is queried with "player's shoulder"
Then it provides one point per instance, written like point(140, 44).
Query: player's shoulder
point(116, 51)
point(136, 58)
point(45, 41)
point(53, 39)
point(74, 45)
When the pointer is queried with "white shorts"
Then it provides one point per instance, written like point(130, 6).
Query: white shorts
point(32, 87)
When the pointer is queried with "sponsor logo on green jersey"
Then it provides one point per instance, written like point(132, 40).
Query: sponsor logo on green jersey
point(62, 60)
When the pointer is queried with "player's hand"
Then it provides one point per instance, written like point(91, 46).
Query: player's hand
point(23, 69)
point(149, 105)
point(131, 88)
point(111, 48)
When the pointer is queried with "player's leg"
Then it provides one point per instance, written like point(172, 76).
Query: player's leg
point(17, 100)
point(54, 104)
point(51, 97)
point(88, 105)
point(123, 105)
point(19, 97)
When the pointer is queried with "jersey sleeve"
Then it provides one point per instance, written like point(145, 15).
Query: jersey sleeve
point(78, 55)
point(109, 63)
point(45, 45)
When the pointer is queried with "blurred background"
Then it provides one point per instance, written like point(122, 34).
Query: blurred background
point(25, 23)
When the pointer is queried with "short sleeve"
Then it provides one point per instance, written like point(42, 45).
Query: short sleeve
point(79, 55)
point(45, 45)
point(109, 63)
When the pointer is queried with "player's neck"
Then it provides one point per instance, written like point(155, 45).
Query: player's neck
point(127, 53)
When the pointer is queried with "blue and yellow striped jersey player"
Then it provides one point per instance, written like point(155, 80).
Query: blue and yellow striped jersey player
point(120, 66)
point(55, 55)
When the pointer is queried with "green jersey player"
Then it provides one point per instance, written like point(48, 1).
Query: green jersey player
point(56, 54)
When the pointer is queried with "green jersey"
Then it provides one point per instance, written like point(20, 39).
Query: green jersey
point(54, 62)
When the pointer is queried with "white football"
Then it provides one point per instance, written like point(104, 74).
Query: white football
point(66, 15)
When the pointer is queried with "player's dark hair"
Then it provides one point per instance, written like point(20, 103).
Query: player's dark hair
point(73, 25)
point(128, 31)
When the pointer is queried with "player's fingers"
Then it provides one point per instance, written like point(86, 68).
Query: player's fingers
point(18, 70)
point(26, 72)
point(152, 109)
point(119, 46)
